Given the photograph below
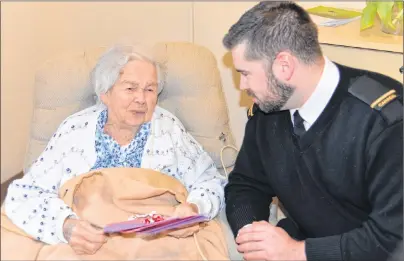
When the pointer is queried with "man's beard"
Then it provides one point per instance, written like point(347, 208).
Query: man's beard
point(277, 96)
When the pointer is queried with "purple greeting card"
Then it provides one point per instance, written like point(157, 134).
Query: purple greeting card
point(138, 226)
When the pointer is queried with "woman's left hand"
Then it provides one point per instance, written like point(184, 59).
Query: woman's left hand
point(185, 210)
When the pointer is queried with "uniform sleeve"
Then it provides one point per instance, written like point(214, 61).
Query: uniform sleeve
point(248, 194)
point(382, 232)
point(32, 202)
point(199, 174)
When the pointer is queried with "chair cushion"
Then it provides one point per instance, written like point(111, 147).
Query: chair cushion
point(60, 89)
point(192, 92)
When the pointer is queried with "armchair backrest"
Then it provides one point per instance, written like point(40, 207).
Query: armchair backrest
point(192, 91)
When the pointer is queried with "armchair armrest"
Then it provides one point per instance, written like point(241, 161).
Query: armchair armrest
point(5, 184)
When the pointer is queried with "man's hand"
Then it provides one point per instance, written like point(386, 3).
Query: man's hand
point(263, 241)
point(185, 210)
point(83, 237)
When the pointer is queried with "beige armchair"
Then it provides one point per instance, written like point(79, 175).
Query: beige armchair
point(192, 91)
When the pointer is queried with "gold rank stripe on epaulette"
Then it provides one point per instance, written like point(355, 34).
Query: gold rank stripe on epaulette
point(250, 112)
point(384, 99)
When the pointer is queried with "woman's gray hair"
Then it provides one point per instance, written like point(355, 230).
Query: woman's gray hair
point(109, 66)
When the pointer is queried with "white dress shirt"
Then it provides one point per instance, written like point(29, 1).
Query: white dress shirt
point(322, 94)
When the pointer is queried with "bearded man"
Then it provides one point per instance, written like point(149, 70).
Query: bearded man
point(325, 139)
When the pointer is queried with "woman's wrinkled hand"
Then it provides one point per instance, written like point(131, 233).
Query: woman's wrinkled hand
point(185, 210)
point(83, 237)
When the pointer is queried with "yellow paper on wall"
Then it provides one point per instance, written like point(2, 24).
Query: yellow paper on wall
point(332, 12)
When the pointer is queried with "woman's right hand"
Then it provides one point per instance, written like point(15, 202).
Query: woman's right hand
point(83, 237)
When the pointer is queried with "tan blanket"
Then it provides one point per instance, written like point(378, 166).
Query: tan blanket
point(112, 195)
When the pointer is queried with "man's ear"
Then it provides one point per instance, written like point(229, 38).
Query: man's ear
point(283, 66)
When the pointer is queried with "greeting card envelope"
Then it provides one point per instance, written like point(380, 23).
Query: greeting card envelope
point(122, 226)
point(174, 225)
point(168, 225)
point(138, 226)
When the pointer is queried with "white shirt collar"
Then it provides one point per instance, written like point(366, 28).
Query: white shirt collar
point(322, 94)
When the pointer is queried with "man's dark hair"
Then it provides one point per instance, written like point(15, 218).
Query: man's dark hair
point(271, 27)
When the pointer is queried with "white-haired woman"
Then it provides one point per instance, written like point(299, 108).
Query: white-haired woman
point(125, 129)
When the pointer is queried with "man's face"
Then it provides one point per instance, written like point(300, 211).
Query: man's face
point(257, 79)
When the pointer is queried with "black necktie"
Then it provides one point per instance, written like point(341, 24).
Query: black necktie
point(298, 124)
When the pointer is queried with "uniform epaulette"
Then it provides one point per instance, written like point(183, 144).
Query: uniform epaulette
point(252, 110)
point(386, 101)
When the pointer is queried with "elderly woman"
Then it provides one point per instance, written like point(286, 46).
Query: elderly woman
point(125, 129)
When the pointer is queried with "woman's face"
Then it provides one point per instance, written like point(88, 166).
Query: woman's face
point(133, 98)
